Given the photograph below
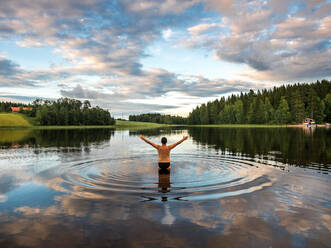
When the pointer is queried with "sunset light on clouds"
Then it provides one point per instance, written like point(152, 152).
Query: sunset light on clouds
point(159, 56)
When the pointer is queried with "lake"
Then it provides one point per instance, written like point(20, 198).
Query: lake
point(228, 187)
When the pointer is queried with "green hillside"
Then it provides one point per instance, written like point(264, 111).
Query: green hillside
point(13, 120)
point(20, 120)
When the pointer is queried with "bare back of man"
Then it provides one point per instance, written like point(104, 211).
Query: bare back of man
point(163, 150)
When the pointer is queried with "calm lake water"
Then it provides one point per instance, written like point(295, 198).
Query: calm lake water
point(228, 187)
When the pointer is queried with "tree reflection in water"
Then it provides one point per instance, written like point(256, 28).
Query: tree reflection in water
point(295, 146)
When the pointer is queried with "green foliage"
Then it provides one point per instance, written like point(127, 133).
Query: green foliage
point(238, 110)
point(256, 113)
point(67, 111)
point(285, 104)
point(327, 102)
point(316, 107)
point(297, 108)
point(282, 115)
point(61, 112)
point(158, 118)
point(269, 112)
point(5, 107)
point(204, 117)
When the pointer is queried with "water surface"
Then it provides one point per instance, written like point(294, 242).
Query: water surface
point(228, 187)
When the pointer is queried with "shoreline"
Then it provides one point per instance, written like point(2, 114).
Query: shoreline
point(19, 121)
point(148, 125)
point(255, 125)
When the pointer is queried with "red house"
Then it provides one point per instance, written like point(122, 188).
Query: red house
point(17, 109)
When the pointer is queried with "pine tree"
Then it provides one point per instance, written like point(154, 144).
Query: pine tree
point(269, 111)
point(315, 109)
point(327, 110)
point(238, 112)
point(256, 112)
point(298, 108)
point(204, 118)
point(283, 113)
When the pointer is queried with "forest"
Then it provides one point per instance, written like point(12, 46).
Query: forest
point(279, 105)
point(158, 118)
point(64, 111)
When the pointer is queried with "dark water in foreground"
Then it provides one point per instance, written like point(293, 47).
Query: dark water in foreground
point(227, 187)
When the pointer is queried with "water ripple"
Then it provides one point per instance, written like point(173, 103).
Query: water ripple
point(192, 177)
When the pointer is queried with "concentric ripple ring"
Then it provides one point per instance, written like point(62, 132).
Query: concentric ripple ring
point(192, 177)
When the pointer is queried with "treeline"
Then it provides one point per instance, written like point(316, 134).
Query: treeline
point(158, 118)
point(5, 107)
point(280, 105)
point(64, 111)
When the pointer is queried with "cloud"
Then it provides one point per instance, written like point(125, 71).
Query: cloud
point(166, 34)
point(158, 91)
point(225, 7)
point(18, 98)
point(8, 68)
point(278, 41)
point(117, 103)
point(11, 74)
point(203, 28)
point(108, 39)
point(80, 92)
point(159, 7)
point(251, 22)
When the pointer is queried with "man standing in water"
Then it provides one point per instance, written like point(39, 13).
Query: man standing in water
point(164, 151)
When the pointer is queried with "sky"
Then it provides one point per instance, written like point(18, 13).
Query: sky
point(165, 56)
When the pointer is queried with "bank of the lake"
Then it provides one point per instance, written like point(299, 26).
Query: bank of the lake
point(17, 120)
point(255, 125)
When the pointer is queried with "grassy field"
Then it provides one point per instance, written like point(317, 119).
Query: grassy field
point(19, 120)
point(13, 120)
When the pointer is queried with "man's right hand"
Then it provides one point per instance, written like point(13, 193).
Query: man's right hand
point(142, 136)
point(185, 137)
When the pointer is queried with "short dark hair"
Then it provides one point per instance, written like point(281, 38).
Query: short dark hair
point(164, 140)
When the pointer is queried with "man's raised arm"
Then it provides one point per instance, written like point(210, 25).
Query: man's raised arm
point(149, 142)
point(174, 145)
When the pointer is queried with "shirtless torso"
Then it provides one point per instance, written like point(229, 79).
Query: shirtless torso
point(164, 153)
point(163, 150)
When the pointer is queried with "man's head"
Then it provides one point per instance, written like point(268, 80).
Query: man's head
point(164, 140)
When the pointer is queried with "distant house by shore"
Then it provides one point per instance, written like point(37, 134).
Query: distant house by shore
point(17, 109)
point(308, 121)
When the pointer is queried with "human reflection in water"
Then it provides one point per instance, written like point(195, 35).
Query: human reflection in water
point(164, 187)
point(309, 130)
point(164, 182)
